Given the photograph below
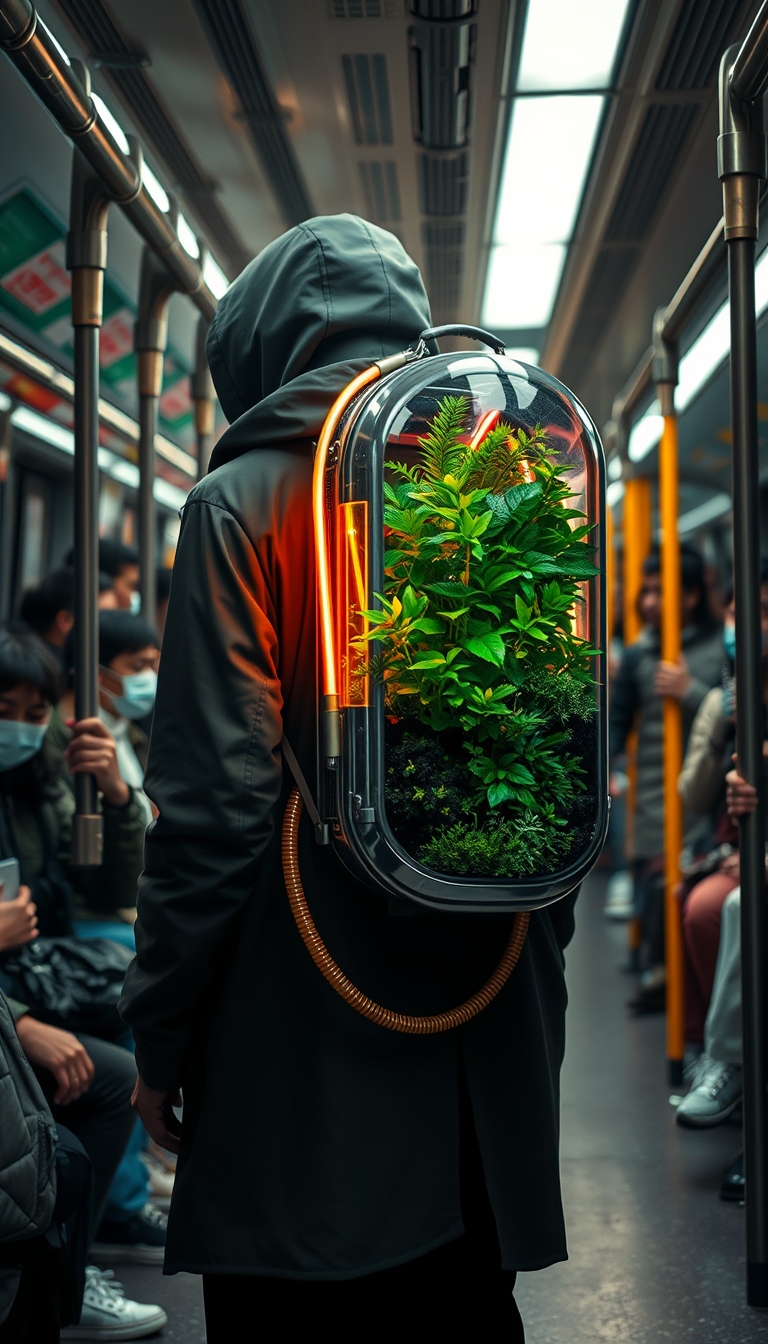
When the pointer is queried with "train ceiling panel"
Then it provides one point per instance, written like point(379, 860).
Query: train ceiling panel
point(660, 133)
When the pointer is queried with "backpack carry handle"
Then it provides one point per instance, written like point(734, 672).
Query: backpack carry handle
point(462, 329)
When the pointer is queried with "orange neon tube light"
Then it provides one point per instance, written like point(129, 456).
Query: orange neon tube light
point(327, 632)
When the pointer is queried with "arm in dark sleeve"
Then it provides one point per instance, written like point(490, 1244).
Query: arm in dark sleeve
point(214, 774)
point(624, 701)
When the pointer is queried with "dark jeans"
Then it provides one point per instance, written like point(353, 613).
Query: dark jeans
point(50, 1290)
point(102, 1118)
point(457, 1291)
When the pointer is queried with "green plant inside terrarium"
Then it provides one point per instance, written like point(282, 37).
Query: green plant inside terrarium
point(489, 693)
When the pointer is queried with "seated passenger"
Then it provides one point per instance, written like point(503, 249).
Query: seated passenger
point(88, 1084)
point(49, 609)
point(121, 565)
point(702, 786)
point(36, 810)
point(637, 700)
point(128, 656)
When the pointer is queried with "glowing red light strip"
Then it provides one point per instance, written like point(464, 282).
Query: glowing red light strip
point(327, 633)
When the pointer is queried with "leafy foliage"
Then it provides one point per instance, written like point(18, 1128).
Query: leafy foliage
point(483, 565)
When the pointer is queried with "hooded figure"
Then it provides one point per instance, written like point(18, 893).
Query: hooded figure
point(316, 1145)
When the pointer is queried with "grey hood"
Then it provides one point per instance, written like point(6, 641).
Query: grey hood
point(307, 314)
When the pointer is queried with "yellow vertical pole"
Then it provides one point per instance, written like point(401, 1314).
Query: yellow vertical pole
point(637, 544)
point(638, 535)
point(671, 625)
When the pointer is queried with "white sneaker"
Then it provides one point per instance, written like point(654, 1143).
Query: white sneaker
point(620, 896)
point(108, 1314)
point(715, 1094)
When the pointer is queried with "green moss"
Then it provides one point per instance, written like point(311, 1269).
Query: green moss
point(503, 848)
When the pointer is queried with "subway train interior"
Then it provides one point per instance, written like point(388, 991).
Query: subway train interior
point(581, 179)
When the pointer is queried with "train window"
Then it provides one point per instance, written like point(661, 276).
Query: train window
point(34, 530)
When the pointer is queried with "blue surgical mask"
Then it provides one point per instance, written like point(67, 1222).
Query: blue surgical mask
point(729, 642)
point(138, 698)
point(135, 603)
point(19, 742)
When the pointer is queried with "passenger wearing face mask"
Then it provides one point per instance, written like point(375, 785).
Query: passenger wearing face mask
point(87, 1080)
point(128, 654)
point(704, 782)
point(121, 563)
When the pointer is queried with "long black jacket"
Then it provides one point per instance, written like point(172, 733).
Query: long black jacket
point(316, 1144)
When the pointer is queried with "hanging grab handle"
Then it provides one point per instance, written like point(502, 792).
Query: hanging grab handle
point(462, 329)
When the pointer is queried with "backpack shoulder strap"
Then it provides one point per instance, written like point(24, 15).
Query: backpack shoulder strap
point(298, 774)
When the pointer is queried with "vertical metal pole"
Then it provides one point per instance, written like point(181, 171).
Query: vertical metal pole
point(150, 340)
point(87, 260)
point(741, 166)
point(665, 378)
point(610, 580)
point(148, 399)
point(7, 511)
point(203, 395)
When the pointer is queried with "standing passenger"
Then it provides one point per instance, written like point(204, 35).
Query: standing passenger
point(637, 698)
point(324, 1161)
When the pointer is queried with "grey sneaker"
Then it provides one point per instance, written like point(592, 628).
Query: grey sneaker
point(715, 1094)
point(108, 1313)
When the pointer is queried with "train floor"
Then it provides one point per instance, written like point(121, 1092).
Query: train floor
point(655, 1255)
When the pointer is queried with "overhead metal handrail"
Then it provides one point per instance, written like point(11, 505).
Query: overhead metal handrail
point(37, 58)
point(742, 161)
point(709, 263)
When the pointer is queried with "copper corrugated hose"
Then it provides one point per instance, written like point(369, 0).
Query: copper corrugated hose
point(405, 1022)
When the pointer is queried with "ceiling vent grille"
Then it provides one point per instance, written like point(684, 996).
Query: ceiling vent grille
point(662, 136)
point(441, 57)
point(381, 191)
point(444, 263)
point(703, 30)
point(364, 9)
point(232, 42)
point(99, 35)
point(443, 183)
point(367, 86)
point(610, 276)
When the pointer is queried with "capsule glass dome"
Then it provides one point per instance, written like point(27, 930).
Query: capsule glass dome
point(465, 506)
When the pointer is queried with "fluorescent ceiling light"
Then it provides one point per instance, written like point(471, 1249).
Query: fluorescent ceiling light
point(5, 401)
point(704, 513)
point(215, 278)
point(551, 141)
point(47, 430)
point(707, 353)
point(521, 284)
point(646, 433)
point(187, 238)
point(548, 154)
point(168, 494)
point(570, 44)
point(111, 123)
point(525, 353)
point(155, 188)
point(614, 468)
point(614, 494)
point(117, 467)
point(55, 42)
